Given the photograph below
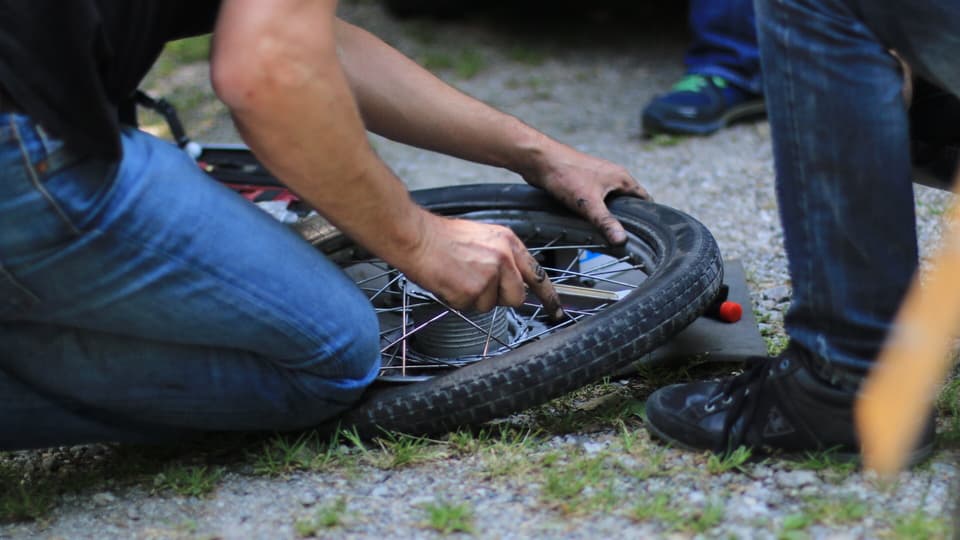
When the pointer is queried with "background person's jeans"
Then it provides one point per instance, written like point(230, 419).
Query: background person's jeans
point(841, 147)
point(143, 301)
point(725, 42)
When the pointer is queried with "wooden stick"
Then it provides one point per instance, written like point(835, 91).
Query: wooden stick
point(897, 396)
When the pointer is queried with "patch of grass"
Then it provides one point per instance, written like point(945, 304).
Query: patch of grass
point(948, 404)
point(837, 511)
point(591, 408)
point(465, 63)
point(776, 343)
point(831, 512)
point(920, 525)
point(706, 518)
point(182, 52)
point(718, 464)
point(470, 62)
point(826, 460)
point(189, 480)
point(448, 518)
point(395, 450)
point(565, 485)
point(284, 454)
point(399, 450)
point(465, 441)
point(326, 517)
point(526, 55)
point(25, 501)
point(662, 510)
point(794, 523)
point(508, 454)
point(665, 140)
point(437, 60)
point(659, 508)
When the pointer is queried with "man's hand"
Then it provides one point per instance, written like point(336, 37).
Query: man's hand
point(583, 182)
point(476, 266)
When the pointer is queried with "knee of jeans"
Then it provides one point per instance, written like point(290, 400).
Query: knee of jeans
point(364, 351)
point(351, 352)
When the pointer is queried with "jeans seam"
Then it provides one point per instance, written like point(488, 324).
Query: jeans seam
point(35, 180)
point(795, 150)
point(31, 298)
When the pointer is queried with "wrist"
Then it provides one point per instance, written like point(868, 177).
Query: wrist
point(527, 153)
point(406, 237)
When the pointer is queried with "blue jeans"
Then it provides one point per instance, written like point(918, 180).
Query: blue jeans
point(725, 42)
point(142, 301)
point(841, 147)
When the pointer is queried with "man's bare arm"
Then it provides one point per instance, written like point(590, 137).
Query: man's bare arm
point(275, 66)
point(402, 101)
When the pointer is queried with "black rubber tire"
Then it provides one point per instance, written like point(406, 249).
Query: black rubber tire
point(680, 288)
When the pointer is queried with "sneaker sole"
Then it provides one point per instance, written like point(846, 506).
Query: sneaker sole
point(653, 126)
point(917, 456)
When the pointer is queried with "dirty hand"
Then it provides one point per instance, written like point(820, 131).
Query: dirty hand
point(476, 266)
point(582, 182)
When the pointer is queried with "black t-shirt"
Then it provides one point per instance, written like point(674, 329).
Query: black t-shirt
point(70, 63)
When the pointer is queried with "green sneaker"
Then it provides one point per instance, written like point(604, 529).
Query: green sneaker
point(700, 105)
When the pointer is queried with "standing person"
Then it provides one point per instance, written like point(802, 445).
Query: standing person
point(722, 83)
point(127, 311)
point(841, 147)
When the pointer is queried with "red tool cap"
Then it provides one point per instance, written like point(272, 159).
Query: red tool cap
point(730, 312)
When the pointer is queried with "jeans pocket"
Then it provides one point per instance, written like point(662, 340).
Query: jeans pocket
point(16, 298)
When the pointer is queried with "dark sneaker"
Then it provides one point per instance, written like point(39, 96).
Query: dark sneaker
point(777, 404)
point(700, 105)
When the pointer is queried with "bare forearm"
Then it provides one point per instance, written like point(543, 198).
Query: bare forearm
point(402, 101)
point(293, 106)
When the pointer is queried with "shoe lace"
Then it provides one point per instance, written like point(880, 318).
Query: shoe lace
point(696, 83)
point(741, 394)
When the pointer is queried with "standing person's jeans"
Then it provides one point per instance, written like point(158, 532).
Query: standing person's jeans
point(725, 42)
point(142, 301)
point(841, 145)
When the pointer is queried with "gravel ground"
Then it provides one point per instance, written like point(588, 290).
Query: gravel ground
point(584, 473)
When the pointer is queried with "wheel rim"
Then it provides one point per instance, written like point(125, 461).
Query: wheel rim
point(422, 337)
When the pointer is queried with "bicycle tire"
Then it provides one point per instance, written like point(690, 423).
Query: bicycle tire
point(685, 281)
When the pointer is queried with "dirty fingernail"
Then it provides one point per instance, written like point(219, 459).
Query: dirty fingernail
point(558, 314)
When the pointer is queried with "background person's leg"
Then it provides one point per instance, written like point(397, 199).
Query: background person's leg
point(724, 42)
point(168, 300)
point(841, 148)
point(723, 82)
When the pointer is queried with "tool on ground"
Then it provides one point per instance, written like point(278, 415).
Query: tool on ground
point(722, 309)
point(897, 396)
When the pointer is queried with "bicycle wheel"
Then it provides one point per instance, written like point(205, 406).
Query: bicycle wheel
point(443, 369)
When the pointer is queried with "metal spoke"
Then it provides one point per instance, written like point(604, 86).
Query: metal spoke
point(591, 276)
point(567, 322)
point(378, 276)
point(416, 329)
point(553, 248)
point(401, 308)
point(385, 287)
point(493, 320)
point(403, 343)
